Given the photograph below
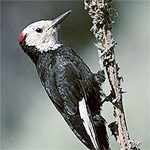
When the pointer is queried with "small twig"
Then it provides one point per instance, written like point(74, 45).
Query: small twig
point(102, 18)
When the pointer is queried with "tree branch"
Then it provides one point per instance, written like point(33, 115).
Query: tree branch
point(102, 15)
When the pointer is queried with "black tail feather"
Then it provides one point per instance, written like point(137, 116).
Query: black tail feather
point(101, 132)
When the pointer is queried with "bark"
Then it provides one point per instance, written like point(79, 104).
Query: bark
point(103, 16)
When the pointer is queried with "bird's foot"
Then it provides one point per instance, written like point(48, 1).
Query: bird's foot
point(109, 98)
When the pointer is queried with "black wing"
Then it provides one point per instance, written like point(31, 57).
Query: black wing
point(63, 84)
point(70, 87)
point(67, 81)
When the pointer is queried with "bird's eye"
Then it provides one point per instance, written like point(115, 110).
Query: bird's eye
point(39, 30)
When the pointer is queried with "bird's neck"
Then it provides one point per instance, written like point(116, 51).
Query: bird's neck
point(34, 53)
point(52, 43)
point(31, 51)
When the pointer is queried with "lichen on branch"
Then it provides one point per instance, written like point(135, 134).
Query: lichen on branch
point(103, 14)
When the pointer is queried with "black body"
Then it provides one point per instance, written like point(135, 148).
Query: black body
point(67, 79)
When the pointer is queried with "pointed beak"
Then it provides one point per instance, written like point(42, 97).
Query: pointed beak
point(60, 18)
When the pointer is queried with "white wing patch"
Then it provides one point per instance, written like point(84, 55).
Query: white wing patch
point(87, 123)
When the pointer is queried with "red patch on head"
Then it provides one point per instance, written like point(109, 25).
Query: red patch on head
point(21, 38)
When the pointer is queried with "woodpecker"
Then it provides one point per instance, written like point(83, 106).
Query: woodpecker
point(72, 87)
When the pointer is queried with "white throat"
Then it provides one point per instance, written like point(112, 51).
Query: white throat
point(52, 44)
point(44, 44)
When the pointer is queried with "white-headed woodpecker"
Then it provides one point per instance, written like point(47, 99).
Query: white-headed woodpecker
point(68, 81)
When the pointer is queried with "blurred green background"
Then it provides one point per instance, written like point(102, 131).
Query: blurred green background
point(28, 119)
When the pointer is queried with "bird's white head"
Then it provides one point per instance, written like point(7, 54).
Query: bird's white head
point(43, 34)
